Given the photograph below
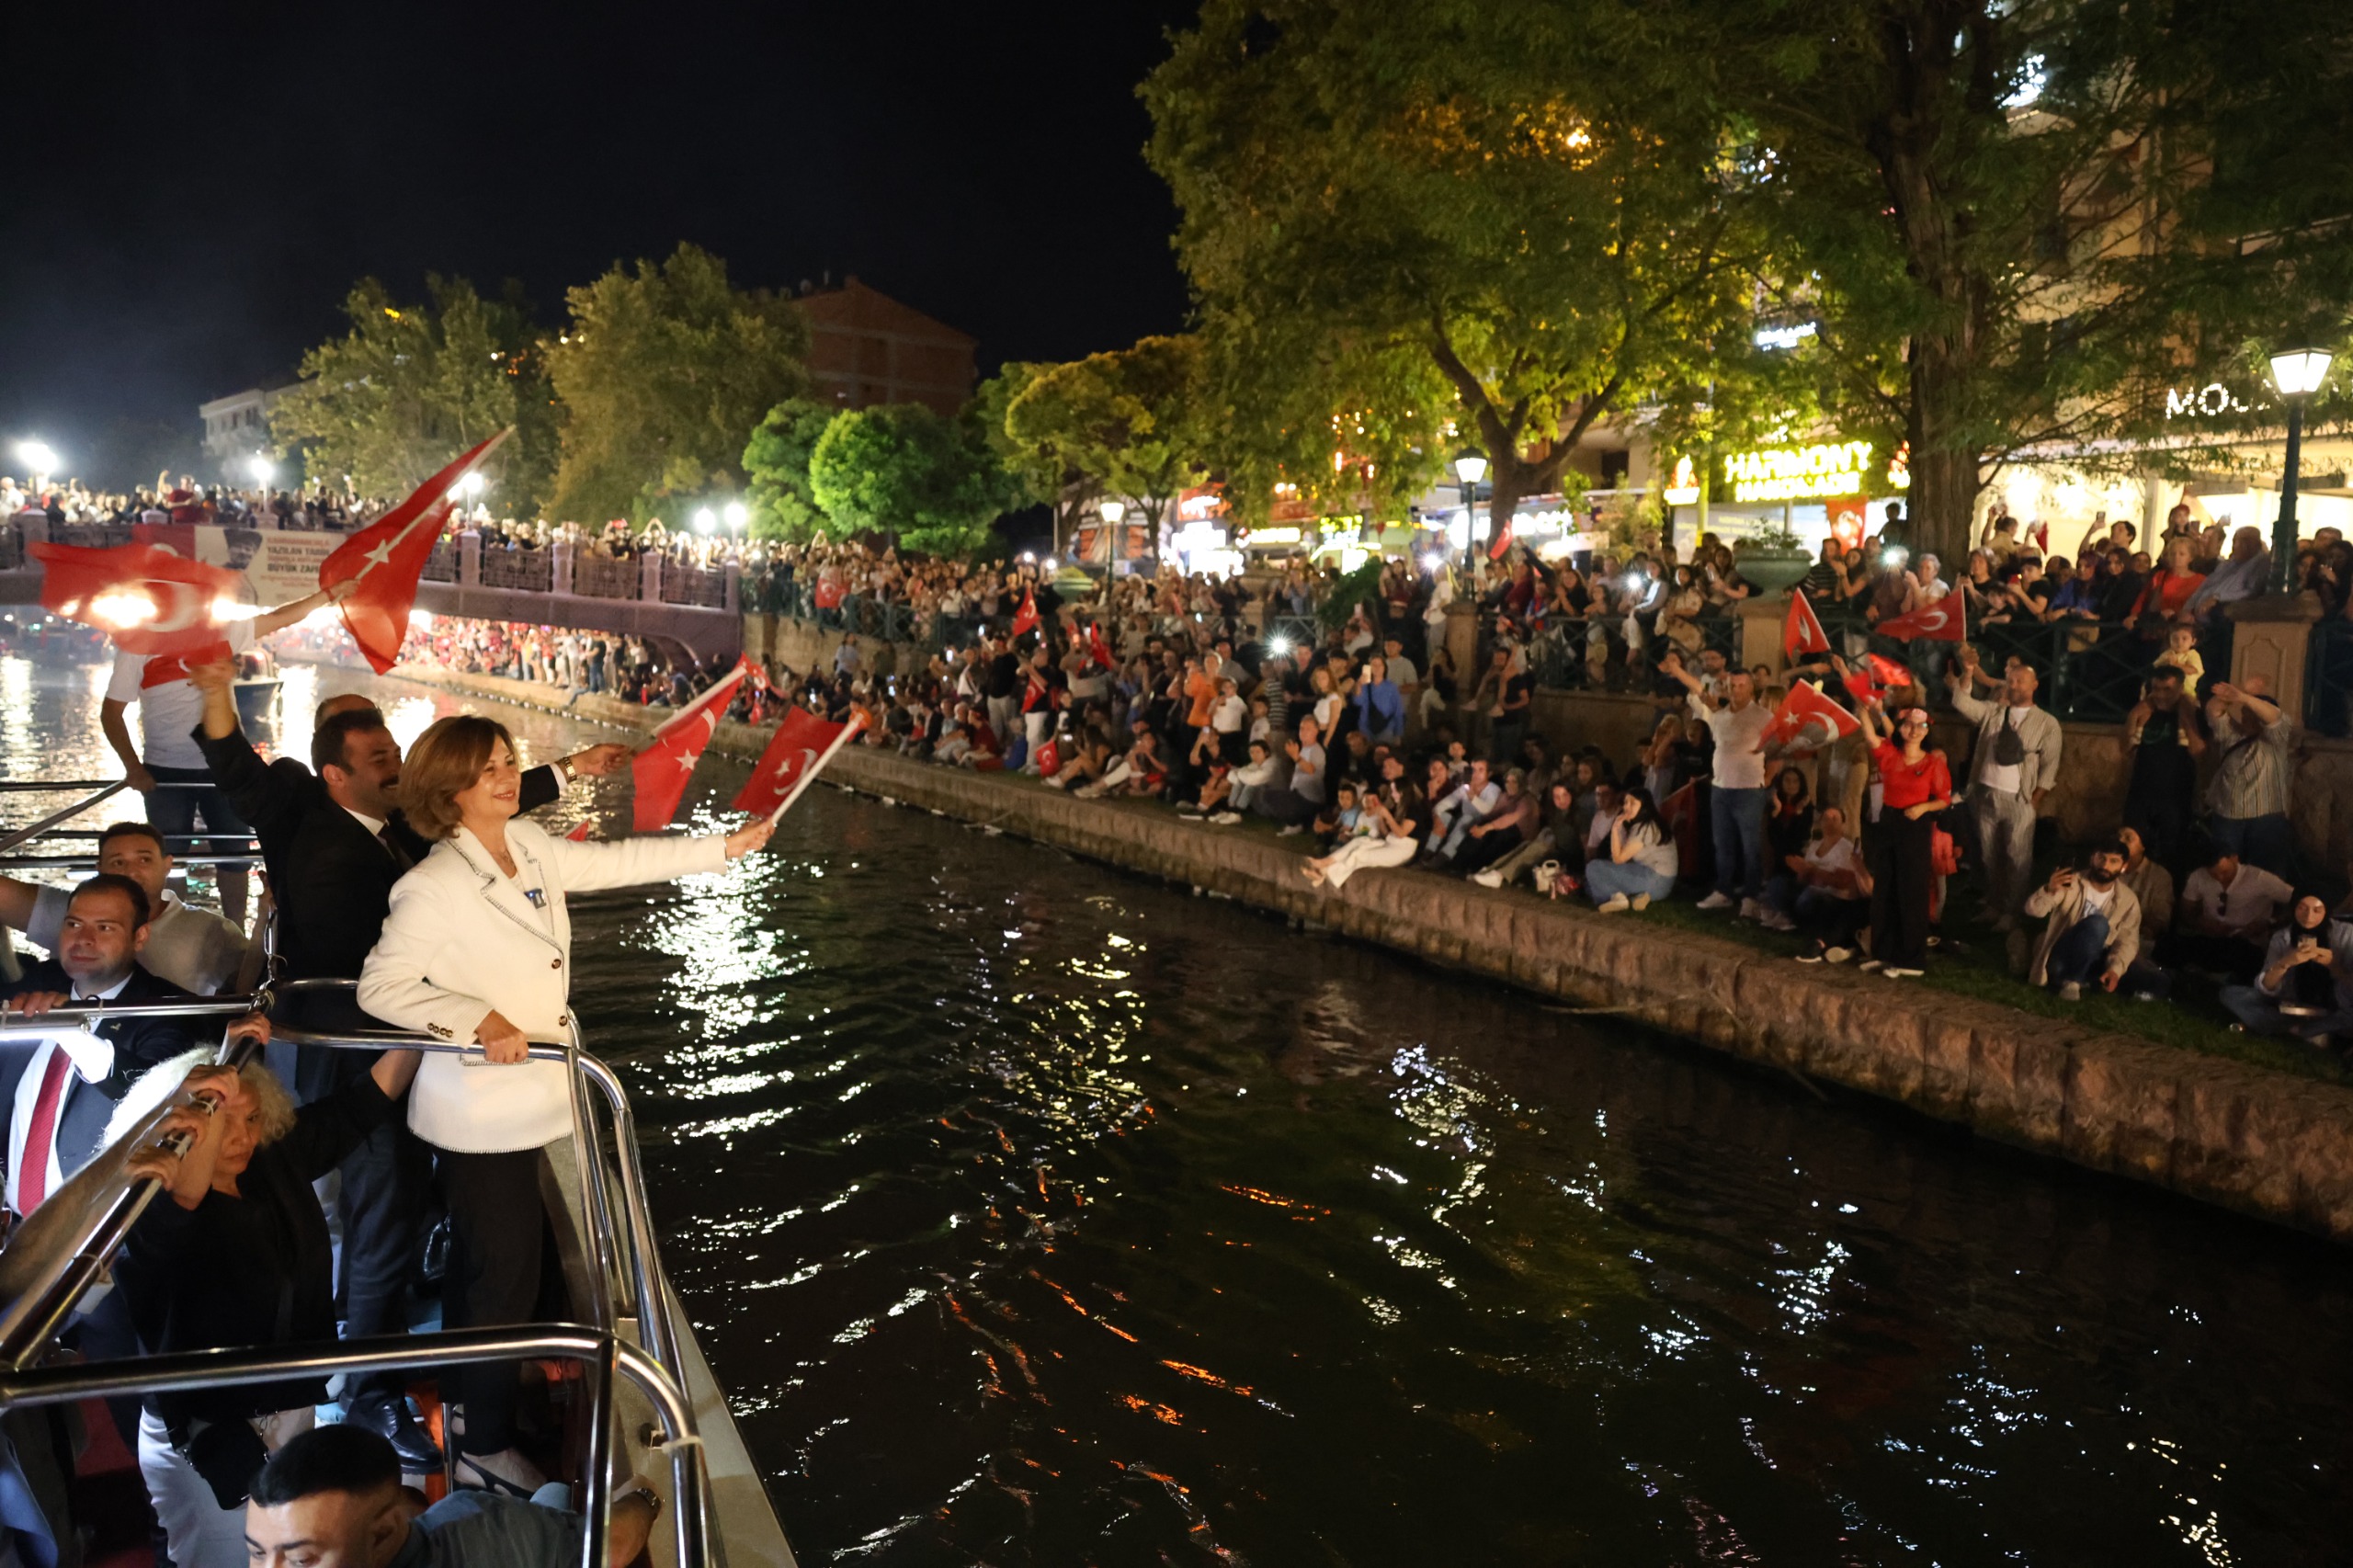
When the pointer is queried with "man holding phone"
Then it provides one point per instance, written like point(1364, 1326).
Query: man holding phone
point(2093, 929)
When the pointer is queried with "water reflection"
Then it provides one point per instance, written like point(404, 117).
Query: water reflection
point(1037, 1214)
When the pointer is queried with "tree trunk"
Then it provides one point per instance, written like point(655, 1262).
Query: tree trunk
point(1943, 499)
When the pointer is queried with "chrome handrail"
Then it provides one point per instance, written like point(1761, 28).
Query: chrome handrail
point(10, 840)
point(192, 1369)
point(90, 862)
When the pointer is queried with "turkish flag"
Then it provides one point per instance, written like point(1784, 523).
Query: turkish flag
point(1026, 617)
point(1940, 622)
point(660, 772)
point(1806, 708)
point(800, 744)
point(1098, 647)
point(1502, 539)
point(382, 562)
point(580, 833)
point(1802, 629)
point(1050, 760)
point(148, 599)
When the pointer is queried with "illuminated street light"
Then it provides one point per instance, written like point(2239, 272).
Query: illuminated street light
point(1112, 511)
point(261, 468)
point(704, 520)
point(2298, 373)
point(737, 514)
point(1470, 467)
point(37, 457)
point(473, 484)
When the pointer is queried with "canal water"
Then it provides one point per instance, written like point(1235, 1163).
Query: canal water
point(1037, 1213)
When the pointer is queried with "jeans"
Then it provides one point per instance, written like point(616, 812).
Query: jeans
point(186, 794)
point(1606, 879)
point(2261, 1014)
point(1818, 912)
point(2075, 957)
point(1738, 818)
point(2265, 841)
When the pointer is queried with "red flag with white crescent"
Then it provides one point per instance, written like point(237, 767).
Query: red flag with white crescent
point(799, 747)
point(660, 772)
point(1801, 628)
point(1940, 623)
point(148, 599)
point(1098, 647)
point(382, 562)
point(1026, 617)
point(1806, 708)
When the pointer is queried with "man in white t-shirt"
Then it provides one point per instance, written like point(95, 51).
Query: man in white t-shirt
point(1737, 797)
point(2224, 917)
point(167, 767)
point(193, 949)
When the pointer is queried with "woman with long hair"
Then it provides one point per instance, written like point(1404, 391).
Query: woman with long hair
point(2305, 987)
point(478, 947)
point(1915, 784)
point(1642, 862)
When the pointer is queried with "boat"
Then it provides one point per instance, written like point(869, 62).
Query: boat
point(628, 1390)
point(257, 699)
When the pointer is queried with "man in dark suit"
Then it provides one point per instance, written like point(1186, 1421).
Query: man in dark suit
point(334, 842)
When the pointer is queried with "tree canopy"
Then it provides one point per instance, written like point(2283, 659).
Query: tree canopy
point(1413, 225)
point(927, 483)
point(409, 387)
point(776, 460)
point(1135, 421)
point(664, 370)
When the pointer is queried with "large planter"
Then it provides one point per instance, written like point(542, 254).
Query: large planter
point(1771, 571)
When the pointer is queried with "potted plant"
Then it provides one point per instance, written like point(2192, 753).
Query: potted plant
point(1772, 559)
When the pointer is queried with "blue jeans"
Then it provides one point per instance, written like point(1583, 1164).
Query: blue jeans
point(1738, 819)
point(2261, 1014)
point(1605, 880)
point(2265, 841)
point(2077, 955)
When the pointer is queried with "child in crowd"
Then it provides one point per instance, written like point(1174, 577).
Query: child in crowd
point(2181, 653)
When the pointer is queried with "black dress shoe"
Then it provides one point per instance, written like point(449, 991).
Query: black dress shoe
point(388, 1418)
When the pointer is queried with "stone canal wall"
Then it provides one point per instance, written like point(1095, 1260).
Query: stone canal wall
point(2227, 1132)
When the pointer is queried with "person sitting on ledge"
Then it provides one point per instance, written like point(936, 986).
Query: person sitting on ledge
point(2225, 911)
point(2305, 988)
point(2092, 926)
point(1819, 889)
point(1398, 818)
point(1642, 862)
point(1504, 830)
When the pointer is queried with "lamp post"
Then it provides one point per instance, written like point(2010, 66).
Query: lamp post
point(705, 520)
point(2298, 373)
point(1111, 509)
point(737, 514)
point(40, 462)
point(261, 468)
point(1470, 467)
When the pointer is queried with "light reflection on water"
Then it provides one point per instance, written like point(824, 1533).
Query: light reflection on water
point(1033, 1214)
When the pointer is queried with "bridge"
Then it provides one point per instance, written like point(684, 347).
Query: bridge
point(684, 608)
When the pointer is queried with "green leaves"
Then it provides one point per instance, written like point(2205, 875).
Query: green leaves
point(776, 460)
point(663, 370)
point(928, 484)
point(1134, 421)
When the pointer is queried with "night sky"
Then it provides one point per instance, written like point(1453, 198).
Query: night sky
point(190, 190)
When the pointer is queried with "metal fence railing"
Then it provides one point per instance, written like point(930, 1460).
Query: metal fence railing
point(2329, 679)
point(608, 577)
point(12, 545)
point(533, 570)
point(441, 566)
point(693, 585)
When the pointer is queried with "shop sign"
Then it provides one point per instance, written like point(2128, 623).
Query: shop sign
point(1200, 505)
point(1792, 473)
point(1280, 534)
point(2210, 401)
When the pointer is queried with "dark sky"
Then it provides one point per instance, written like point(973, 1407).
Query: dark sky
point(187, 191)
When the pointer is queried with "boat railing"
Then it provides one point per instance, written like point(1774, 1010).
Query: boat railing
point(190, 847)
point(55, 1256)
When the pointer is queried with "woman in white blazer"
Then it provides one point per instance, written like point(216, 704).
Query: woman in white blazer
point(478, 947)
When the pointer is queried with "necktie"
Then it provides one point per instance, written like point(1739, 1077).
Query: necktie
point(32, 1169)
point(392, 846)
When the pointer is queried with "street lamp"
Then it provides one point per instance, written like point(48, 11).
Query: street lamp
point(1470, 467)
point(704, 520)
point(1110, 510)
point(261, 468)
point(737, 514)
point(2298, 373)
point(38, 457)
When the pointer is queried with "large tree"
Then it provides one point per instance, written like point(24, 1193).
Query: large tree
point(411, 386)
point(1035, 472)
point(1134, 421)
point(776, 460)
point(1415, 224)
point(2017, 224)
point(663, 372)
point(926, 483)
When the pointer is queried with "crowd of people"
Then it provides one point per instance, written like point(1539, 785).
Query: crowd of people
point(416, 882)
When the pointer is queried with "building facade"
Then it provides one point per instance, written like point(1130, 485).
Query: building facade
point(238, 425)
point(867, 349)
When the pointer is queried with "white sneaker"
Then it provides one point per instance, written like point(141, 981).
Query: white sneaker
point(1716, 901)
point(1893, 972)
point(1642, 901)
point(1868, 965)
point(1773, 920)
point(1290, 830)
point(2071, 991)
point(1836, 955)
point(1488, 879)
point(1618, 905)
point(1752, 909)
point(1226, 818)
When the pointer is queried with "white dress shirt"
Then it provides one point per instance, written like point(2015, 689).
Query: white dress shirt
point(93, 1057)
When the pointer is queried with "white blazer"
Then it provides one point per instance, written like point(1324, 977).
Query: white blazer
point(462, 941)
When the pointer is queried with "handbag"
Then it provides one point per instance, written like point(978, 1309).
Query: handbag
point(228, 1455)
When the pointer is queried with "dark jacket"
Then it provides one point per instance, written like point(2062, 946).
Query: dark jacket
point(253, 1270)
point(139, 1044)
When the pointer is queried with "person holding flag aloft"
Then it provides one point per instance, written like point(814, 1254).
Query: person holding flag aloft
point(477, 948)
point(1915, 786)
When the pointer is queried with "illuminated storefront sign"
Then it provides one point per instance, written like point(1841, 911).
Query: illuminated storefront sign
point(1683, 490)
point(1792, 473)
point(2210, 401)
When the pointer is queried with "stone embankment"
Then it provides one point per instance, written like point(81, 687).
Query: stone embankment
point(2260, 1141)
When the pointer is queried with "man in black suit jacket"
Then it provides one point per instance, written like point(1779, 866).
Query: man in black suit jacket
point(334, 842)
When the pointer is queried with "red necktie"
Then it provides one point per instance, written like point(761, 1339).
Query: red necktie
point(32, 1170)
